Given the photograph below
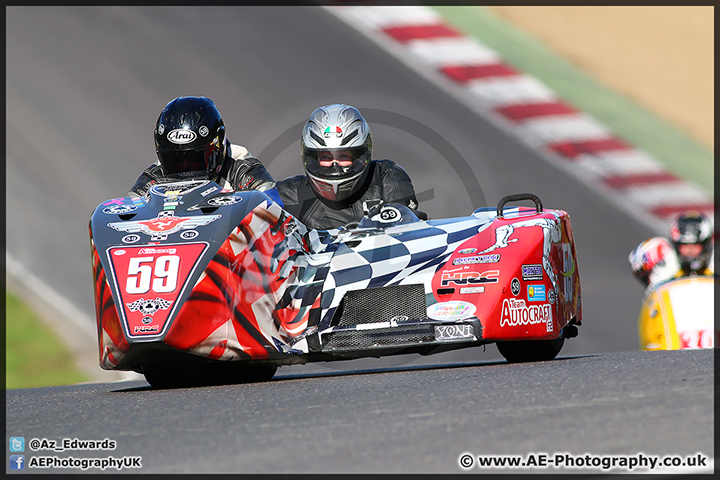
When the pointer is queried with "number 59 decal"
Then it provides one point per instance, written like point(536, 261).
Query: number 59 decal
point(145, 272)
point(145, 276)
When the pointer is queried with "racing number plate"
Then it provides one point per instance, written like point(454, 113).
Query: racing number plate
point(445, 333)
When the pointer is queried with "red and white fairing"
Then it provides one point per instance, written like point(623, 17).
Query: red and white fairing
point(233, 277)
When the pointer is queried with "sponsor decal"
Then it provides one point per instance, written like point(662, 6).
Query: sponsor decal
point(515, 286)
point(119, 252)
point(189, 234)
point(478, 259)
point(454, 310)
point(157, 250)
point(161, 129)
point(119, 209)
point(180, 136)
point(536, 293)
point(203, 131)
point(458, 269)
point(176, 189)
point(568, 270)
point(207, 192)
point(532, 272)
point(467, 251)
point(465, 290)
point(149, 307)
point(149, 279)
point(551, 296)
point(387, 215)
point(115, 201)
point(568, 260)
point(223, 201)
point(398, 319)
point(131, 238)
point(469, 278)
point(453, 332)
point(515, 312)
point(146, 328)
point(163, 225)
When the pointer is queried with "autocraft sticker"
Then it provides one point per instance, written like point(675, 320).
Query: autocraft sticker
point(453, 310)
point(515, 312)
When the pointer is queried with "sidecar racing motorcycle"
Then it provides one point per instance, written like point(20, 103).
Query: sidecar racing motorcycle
point(197, 286)
point(678, 314)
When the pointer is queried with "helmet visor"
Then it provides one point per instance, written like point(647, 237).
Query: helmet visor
point(195, 163)
point(336, 164)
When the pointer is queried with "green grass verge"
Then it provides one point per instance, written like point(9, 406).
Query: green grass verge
point(682, 155)
point(34, 356)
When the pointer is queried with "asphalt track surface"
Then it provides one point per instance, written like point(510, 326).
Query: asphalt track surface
point(84, 88)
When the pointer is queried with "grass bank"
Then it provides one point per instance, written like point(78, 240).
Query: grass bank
point(34, 355)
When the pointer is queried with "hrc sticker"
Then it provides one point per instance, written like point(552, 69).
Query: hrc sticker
point(536, 293)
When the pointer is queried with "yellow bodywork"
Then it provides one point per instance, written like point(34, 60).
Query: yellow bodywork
point(679, 314)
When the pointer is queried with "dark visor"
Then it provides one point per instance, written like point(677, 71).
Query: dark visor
point(184, 161)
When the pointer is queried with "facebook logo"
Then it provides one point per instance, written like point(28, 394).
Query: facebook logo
point(17, 462)
point(17, 444)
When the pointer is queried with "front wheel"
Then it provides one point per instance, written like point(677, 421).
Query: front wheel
point(530, 350)
point(162, 376)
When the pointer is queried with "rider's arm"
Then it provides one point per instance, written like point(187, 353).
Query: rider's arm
point(248, 173)
point(147, 178)
point(398, 188)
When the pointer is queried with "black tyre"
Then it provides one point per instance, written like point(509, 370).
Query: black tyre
point(530, 350)
point(163, 375)
point(250, 374)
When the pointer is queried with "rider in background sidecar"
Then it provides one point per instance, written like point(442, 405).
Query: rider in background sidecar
point(689, 251)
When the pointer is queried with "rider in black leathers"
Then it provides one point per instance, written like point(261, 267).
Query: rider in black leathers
point(342, 182)
point(190, 144)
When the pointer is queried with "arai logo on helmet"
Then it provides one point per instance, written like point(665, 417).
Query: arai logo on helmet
point(181, 136)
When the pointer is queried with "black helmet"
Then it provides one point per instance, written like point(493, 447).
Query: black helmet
point(692, 228)
point(190, 139)
point(336, 131)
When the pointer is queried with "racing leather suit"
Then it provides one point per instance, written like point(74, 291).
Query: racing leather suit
point(386, 182)
point(655, 261)
point(240, 171)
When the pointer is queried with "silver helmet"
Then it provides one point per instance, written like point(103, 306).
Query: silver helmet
point(336, 147)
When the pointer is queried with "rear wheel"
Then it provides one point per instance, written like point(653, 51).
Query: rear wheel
point(530, 350)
